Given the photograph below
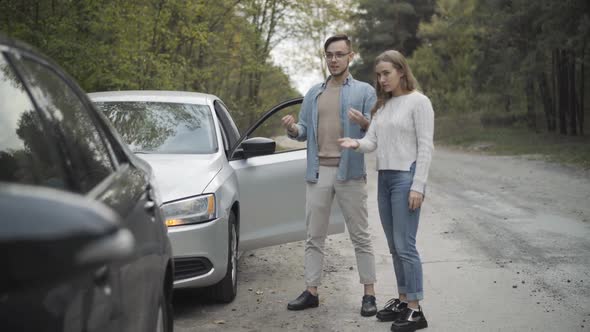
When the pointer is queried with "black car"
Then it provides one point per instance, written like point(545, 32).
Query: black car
point(83, 246)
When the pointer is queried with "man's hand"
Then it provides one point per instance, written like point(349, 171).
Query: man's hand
point(357, 117)
point(348, 143)
point(415, 200)
point(288, 122)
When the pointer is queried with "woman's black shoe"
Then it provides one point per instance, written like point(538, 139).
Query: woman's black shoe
point(392, 310)
point(368, 306)
point(304, 301)
point(410, 321)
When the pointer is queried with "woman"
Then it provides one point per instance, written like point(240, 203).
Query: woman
point(401, 131)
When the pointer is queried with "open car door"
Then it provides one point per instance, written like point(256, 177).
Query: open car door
point(271, 174)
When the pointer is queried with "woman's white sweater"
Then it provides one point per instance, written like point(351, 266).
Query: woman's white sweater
point(402, 132)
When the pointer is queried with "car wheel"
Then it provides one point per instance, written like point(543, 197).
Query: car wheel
point(225, 291)
point(165, 320)
point(160, 323)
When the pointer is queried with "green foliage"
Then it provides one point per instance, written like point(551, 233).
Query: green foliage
point(542, 44)
point(464, 131)
point(490, 67)
point(444, 63)
point(196, 45)
point(477, 54)
point(312, 23)
point(387, 24)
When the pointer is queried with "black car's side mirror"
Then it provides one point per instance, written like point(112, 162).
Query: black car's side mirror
point(48, 235)
point(258, 146)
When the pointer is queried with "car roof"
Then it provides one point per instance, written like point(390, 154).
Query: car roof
point(154, 96)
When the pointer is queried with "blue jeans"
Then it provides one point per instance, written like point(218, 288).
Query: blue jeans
point(400, 226)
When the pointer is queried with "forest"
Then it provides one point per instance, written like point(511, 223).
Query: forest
point(505, 62)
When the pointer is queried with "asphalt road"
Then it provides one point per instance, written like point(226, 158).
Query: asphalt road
point(505, 244)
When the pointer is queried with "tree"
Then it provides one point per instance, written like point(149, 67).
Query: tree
point(387, 24)
point(444, 63)
point(523, 41)
point(312, 23)
point(218, 47)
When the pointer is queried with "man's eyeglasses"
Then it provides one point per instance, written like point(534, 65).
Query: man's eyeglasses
point(337, 56)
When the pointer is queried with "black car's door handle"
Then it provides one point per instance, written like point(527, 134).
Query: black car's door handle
point(148, 191)
point(101, 279)
point(150, 206)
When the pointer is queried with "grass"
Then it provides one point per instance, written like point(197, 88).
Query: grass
point(465, 132)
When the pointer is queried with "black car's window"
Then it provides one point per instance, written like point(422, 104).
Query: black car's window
point(169, 128)
point(88, 155)
point(26, 154)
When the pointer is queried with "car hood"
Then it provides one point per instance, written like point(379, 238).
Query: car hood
point(180, 176)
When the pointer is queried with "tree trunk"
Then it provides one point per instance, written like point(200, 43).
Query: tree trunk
point(548, 106)
point(530, 105)
point(159, 8)
point(252, 100)
point(507, 103)
point(561, 92)
point(37, 27)
point(198, 83)
point(266, 17)
point(240, 84)
point(555, 85)
point(582, 91)
point(186, 73)
point(571, 93)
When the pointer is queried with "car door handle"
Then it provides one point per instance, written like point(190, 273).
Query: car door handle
point(150, 206)
point(102, 280)
point(149, 191)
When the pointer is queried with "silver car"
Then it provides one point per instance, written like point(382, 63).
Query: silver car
point(221, 190)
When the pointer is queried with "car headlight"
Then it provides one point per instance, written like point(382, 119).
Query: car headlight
point(190, 210)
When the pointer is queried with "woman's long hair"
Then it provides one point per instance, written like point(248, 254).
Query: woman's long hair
point(408, 81)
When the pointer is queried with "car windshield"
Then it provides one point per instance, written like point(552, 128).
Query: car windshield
point(156, 127)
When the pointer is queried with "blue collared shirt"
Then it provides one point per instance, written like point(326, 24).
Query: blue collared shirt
point(356, 94)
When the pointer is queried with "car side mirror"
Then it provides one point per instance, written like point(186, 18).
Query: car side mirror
point(48, 235)
point(258, 146)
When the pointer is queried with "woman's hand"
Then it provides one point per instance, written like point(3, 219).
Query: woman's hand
point(348, 143)
point(415, 200)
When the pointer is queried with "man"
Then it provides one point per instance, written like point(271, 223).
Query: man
point(329, 112)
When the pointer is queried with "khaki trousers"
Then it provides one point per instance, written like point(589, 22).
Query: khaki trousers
point(352, 198)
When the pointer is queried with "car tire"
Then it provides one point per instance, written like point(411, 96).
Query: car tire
point(225, 290)
point(165, 314)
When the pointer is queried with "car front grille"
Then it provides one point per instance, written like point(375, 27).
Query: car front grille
point(190, 267)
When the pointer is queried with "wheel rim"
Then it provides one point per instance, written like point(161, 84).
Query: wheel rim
point(234, 256)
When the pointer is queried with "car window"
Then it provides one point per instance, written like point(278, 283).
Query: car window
point(227, 123)
point(167, 128)
point(226, 144)
point(88, 155)
point(25, 155)
point(272, 128)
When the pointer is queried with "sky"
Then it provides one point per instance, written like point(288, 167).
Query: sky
point(293, 55)
point(283, 55)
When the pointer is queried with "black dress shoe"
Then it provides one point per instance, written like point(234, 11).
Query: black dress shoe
point(410, 321)
point(392, 310)
point(304, 301)
point(369, 306)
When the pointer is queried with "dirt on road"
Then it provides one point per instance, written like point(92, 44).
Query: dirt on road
point(505, 245)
